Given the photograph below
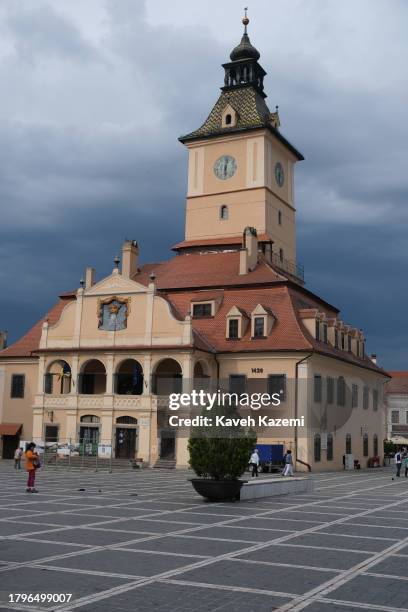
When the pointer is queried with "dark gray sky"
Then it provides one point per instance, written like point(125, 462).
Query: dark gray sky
point(95, 94)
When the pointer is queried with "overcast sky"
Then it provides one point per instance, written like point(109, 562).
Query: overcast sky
point(96, 92)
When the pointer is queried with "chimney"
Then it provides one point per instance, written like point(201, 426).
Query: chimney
point(130, 255)
point(89, 277)
point(248, 257)
point(3, 339)
point(374, 358)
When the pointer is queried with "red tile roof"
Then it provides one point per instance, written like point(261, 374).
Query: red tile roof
point(234, 240)
point(398, 383)
point(31, 340)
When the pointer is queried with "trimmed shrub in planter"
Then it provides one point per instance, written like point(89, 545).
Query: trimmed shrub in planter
point(220, 454)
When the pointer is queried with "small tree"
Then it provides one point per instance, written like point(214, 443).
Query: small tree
point(221, 453)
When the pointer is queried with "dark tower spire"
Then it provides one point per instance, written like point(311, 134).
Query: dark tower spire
point(244, 69)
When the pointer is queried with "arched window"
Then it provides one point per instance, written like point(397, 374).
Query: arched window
point(129, 378)
point(90, 418)
point(126, 420)
point(92, 380)
point(329, 447)
point(365, 445)
point(348, 444)
point(228, 119)
point(317, 447)
point(57, 379)
point(224, 212)
point(375, 445)
point(167, 377)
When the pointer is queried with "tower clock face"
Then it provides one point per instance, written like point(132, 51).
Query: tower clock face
point(225, 167)
point(279, 174)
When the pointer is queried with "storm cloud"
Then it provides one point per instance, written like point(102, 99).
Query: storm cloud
point(95, 94)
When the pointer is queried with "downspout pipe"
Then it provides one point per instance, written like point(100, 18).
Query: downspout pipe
point(298, 363)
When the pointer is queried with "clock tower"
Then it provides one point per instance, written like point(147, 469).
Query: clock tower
point(240, 166)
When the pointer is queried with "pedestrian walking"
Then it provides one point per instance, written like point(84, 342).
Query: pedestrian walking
point(254, 462)
point(398, 462)
point(406, 465)
point(18, 453)
point(32, 463)
point(288, 469)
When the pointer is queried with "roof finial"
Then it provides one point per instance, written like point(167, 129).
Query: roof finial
point(245, 20)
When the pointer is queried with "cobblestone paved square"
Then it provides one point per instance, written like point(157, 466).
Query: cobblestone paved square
point(144, 540)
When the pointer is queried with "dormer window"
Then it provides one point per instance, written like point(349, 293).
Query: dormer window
point(237, 323)
point(259, 327)
point(349, 343)
point(317, 330)
point(325, 333)
point(229, 117)
point(223, 212)
point(336, 338)
point(203, 310)
point(343, 341)
point(262, 320)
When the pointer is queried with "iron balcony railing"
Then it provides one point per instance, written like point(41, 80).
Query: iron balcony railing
point(291, 267)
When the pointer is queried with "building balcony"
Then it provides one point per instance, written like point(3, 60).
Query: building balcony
point(290, 267)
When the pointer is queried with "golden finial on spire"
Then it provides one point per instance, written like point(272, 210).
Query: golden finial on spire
point(245, 19)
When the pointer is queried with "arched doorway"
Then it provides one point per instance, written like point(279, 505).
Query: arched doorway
point(129, 378)
point(126, 436)
point(89, 434)
point(201, 376)
point(57, 379)
point(92, 379)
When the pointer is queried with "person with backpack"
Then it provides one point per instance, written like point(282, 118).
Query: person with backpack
point(288, 459)
point(398, 462)
point(32, 463)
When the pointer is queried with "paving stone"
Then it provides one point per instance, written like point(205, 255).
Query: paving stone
point(185, 598)
point(338, 541)
point(94, 537)
point(189, 545)
point(240, 533)
point(373, 590)
point(239, 574)
point(330, 559)
point(124, 562)
point(16, 550)
point(34, 580)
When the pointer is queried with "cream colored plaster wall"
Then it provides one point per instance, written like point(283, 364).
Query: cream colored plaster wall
point(19, 410)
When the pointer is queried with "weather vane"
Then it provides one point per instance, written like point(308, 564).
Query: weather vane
point(245, 19)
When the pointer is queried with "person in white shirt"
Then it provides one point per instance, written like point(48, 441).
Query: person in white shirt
point(288, 470)
point(254, 462)
point(18, 453)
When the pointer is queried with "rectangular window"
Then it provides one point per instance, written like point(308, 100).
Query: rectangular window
point(237, 383)
point(395, 417)
point(317, 332)
point(366, 395)
point(330, 390)
point(280, 217)
point(341, 391)
point(202, 310)
point(358, 348)
point(277, 384)
point(336, 338)
point(17, 385)
point(349, 343)
point(354, 396)
point(259, 327)
point(375, 399)
point(343, 341)
point(233, 328)
point(325, 333)
point(317, 388)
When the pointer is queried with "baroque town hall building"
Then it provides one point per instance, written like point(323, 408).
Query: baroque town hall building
point(229, 308)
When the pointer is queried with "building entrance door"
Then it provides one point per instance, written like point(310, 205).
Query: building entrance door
point(125, 442)
point(88, 440)
point(167, 444)
point(10, 443)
